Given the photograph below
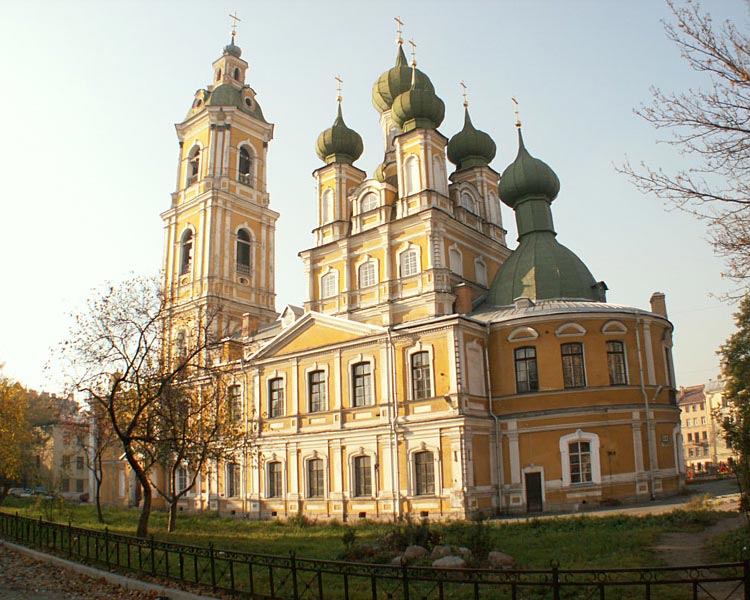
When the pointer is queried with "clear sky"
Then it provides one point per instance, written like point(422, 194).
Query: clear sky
point(91, 90)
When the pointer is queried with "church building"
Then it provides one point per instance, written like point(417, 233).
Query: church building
point(433, 370)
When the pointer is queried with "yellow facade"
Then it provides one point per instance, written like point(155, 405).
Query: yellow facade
point(396, 389)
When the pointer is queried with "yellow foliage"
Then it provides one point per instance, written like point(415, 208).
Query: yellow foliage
point(14, 428)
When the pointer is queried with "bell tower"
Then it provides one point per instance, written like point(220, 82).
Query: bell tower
point(219, 229)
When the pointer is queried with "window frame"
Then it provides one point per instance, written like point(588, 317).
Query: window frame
point(421, 386)
point(362, 478)
point(405, 260)
point(246, 176)
point(329, 290)
point(243, 255)
point(187, 240)
point(617, 364)
point(367, 268)
point(424, 473)
point(368, 202)
point(320, 387)
point(274, 479)
point(362, 381)
point(595, 466)
point(456, 260)
point(276, 397)
point(232, 480)
point(530, 384)
point(573, 365)
point(192, 174)
point(235, 403)
point(315, 478)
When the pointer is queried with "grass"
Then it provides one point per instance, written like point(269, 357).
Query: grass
point(581, 542)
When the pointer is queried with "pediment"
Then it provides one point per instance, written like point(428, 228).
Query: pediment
point(315, 330)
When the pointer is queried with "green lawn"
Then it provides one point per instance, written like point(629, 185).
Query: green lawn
point(576, 542)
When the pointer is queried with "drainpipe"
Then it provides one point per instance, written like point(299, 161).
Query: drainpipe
point(649, 433)
point(393, 408)
point(499, 449)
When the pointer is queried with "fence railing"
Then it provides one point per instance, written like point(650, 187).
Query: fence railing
point(265, 576)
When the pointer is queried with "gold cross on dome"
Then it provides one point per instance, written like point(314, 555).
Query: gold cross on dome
point(399, 29)
point(518, 118)
point(339, 81)
point(463, 85)
point(235, 20)
point(413, 53)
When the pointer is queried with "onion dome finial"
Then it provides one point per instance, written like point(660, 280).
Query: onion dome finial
point(339, 143)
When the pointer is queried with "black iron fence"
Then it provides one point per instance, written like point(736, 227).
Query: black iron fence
point(264, 576)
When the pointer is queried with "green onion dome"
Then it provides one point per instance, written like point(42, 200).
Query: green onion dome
point(396, 81)
point(527, 177)
point(338, 143)
point(418, 108)
point(380, 172)
point(471, 147)
point(232, 49)
point(386, 173)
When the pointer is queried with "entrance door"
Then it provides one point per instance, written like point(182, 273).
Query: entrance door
point(534, 492)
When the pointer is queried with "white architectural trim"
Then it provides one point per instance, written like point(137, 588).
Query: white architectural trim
point(417, 348)
point(523, 334)
point(580, 436)
point(570, 329)
point(614, 328)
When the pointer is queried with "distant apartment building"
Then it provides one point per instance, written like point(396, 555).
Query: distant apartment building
point(68, 468)
point(703, 410)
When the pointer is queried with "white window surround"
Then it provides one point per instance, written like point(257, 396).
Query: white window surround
point(440, 180)
point(424, 447)
point(480, 271)
point(580, 436)
point(468, 201)
point(570, 330)
point(456, 260)
point(269, 377)
point(375, 266)
point(420, 347)
point(523, 334)
point(233, 461)
point(179, 251)
point(614, 327)
point(305, 459)
point(312, 368)
point(363, 451)
point(411, 174)
point(368, 201)
point(329, 283)
point(326, 206)
point(191, 177)
point(418, 260)
point(361, 358)
point(253, 159)
point(475, 368)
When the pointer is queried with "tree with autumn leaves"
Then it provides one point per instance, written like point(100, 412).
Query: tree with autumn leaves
point(15, 433)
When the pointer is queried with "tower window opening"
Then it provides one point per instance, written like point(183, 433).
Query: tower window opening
point(245, 167)
point(186, 252)
point(243, 252)
point(194, 160)
point(237, 74)
point(218, 74)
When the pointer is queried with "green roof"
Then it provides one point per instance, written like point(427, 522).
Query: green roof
point(471, 147)
point(527, 177)
point(339, 143)
point(395, 81)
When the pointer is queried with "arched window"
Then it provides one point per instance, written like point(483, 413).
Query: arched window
point(326, 206)
point(456, 260)
point(362, 476)
point(408, 262)
point(329, 285)
point(218, 74)
point(411, 174)
point(438, 174)
point(369, 202)
point(237, 74)
point(424, 473)
point(243, 252)
point(245, 167)
point(179, 344)
point(186, 251)
point(480, 269)
point(367, 274)
point(467, 201)
point(194, 163)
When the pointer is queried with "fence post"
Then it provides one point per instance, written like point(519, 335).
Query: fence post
point(293, 562)
point(153, 556)
point(405, 578)
point(746, 577)
point(106, 545)
point(70, 537)
point(555, 579)
point(213, 564)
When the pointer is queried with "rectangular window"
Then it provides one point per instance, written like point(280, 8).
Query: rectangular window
point(181, 479)
point(362, 476)
point(421, 382)
point(691, 452)
point(367, 276)
point(315, 478)
point(276, 397)
point(703, 406)
point(362, 384)
point(703, 420)
point(316, 385)
point(234, 402)
point(233, 480)
point(705, 435)
point(65, 485)
point(616, 363)
point(79, 485)
point(408, 263)
point(79, 463)
point(572, 363)
point(329, 285)
point(65, 462)
point(274, 480)
point(424, 474)
point(527, 377)
point(705, 451)
point(580, 462)
point(690, 437)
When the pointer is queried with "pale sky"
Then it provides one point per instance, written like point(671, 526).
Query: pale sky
point(91, 90)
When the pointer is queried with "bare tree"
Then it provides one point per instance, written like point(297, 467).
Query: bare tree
point(711, 126)
point(120, 357)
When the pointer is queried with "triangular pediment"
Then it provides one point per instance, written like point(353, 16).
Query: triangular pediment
point(316, 330)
